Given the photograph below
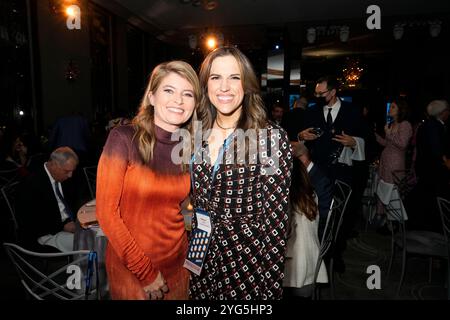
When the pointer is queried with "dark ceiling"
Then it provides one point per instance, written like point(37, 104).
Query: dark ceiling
point(251, 23)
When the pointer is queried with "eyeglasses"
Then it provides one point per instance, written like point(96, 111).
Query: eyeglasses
point(320, 94)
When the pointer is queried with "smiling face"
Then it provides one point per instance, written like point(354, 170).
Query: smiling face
point(225, 90)
point(174, 102)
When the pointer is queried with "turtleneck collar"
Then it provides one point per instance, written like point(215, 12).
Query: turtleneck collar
point(163, 136)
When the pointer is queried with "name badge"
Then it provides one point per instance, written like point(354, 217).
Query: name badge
point(199, 243)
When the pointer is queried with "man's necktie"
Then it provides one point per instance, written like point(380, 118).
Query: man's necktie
point(329, 119)
point(61, 198)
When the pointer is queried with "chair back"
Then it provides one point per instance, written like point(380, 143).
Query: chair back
point(444, 210)
point(405, 181)
point(90, 174)
point(8, 176)
point(56, 276)
point(9, 192)
point(342, 193)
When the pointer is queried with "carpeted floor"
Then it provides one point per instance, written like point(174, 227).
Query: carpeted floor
point(368, 249)
point(373, 249)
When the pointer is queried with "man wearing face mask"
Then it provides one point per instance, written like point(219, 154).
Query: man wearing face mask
point(338, 146)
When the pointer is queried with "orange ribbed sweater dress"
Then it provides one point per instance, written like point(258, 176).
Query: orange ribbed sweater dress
point(138, 209)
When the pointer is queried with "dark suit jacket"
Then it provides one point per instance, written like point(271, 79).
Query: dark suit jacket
point(348, 120)
point(37, 209)
point(293, 122)
point(324, 191)
point(432, 144)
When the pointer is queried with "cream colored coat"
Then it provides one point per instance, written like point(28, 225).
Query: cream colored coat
point(303, 252)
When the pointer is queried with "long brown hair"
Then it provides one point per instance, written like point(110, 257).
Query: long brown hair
point(302, 192)
point(403, 109)
point(253, 114)
point(143, 122)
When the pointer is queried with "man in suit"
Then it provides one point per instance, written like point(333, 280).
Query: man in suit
point(321, 184)
point(333, 128)
point(432, 168)
point(341, 126)
point(43, 204)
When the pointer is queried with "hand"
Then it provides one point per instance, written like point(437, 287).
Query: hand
point(345, 139)
point(157, 288)
point(294, 144)
point(387, 129)
point(70, 227)
point(307, 135)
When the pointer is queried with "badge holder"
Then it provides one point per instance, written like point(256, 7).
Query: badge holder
point(200, 240)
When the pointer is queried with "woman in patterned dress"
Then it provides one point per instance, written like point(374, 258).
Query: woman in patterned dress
point(140, 190)
point(395, 142)
point(397, 138)
point(247, 199)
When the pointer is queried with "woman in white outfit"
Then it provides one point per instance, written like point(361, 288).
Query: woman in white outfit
point(303, 241)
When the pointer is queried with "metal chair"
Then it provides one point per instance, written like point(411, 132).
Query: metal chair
point(8, 176)
point(91, 178)
point(422, 243)
point(405, 181)
point(335, 216)
point(325, 245)
point(8, 192)
point(45, 276)
point(444, 210)
point(369, 198)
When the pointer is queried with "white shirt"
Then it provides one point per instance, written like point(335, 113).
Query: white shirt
point(348, 153)
point(64, 216)
point(310, 165)
point(334, 110)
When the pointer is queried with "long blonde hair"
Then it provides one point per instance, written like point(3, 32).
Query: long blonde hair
point(253, 114)
point(144, 121)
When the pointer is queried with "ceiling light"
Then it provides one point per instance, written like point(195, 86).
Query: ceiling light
point(211, 43)
point(435, 28)
point(398, 31)
point(344, 33)
point(311, 35)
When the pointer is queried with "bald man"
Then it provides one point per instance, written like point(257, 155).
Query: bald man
point(43, 207)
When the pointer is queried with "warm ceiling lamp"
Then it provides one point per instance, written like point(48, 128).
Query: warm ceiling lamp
point(211, 42)
point(70, 11)
point(352, 72)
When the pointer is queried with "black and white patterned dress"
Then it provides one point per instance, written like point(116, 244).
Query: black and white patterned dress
point(249, 212)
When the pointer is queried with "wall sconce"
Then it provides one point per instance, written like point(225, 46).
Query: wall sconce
point(73, 13)
point(344, 33)
point(435, 28)
point(210, 4)
point(69, 8)
point(208, 39)
point(398, 31)
point(311, 35)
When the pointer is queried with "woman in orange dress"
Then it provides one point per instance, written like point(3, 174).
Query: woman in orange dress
point(140, 189)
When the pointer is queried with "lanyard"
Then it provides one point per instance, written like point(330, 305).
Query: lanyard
point(222, 150)
point(92, 265)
